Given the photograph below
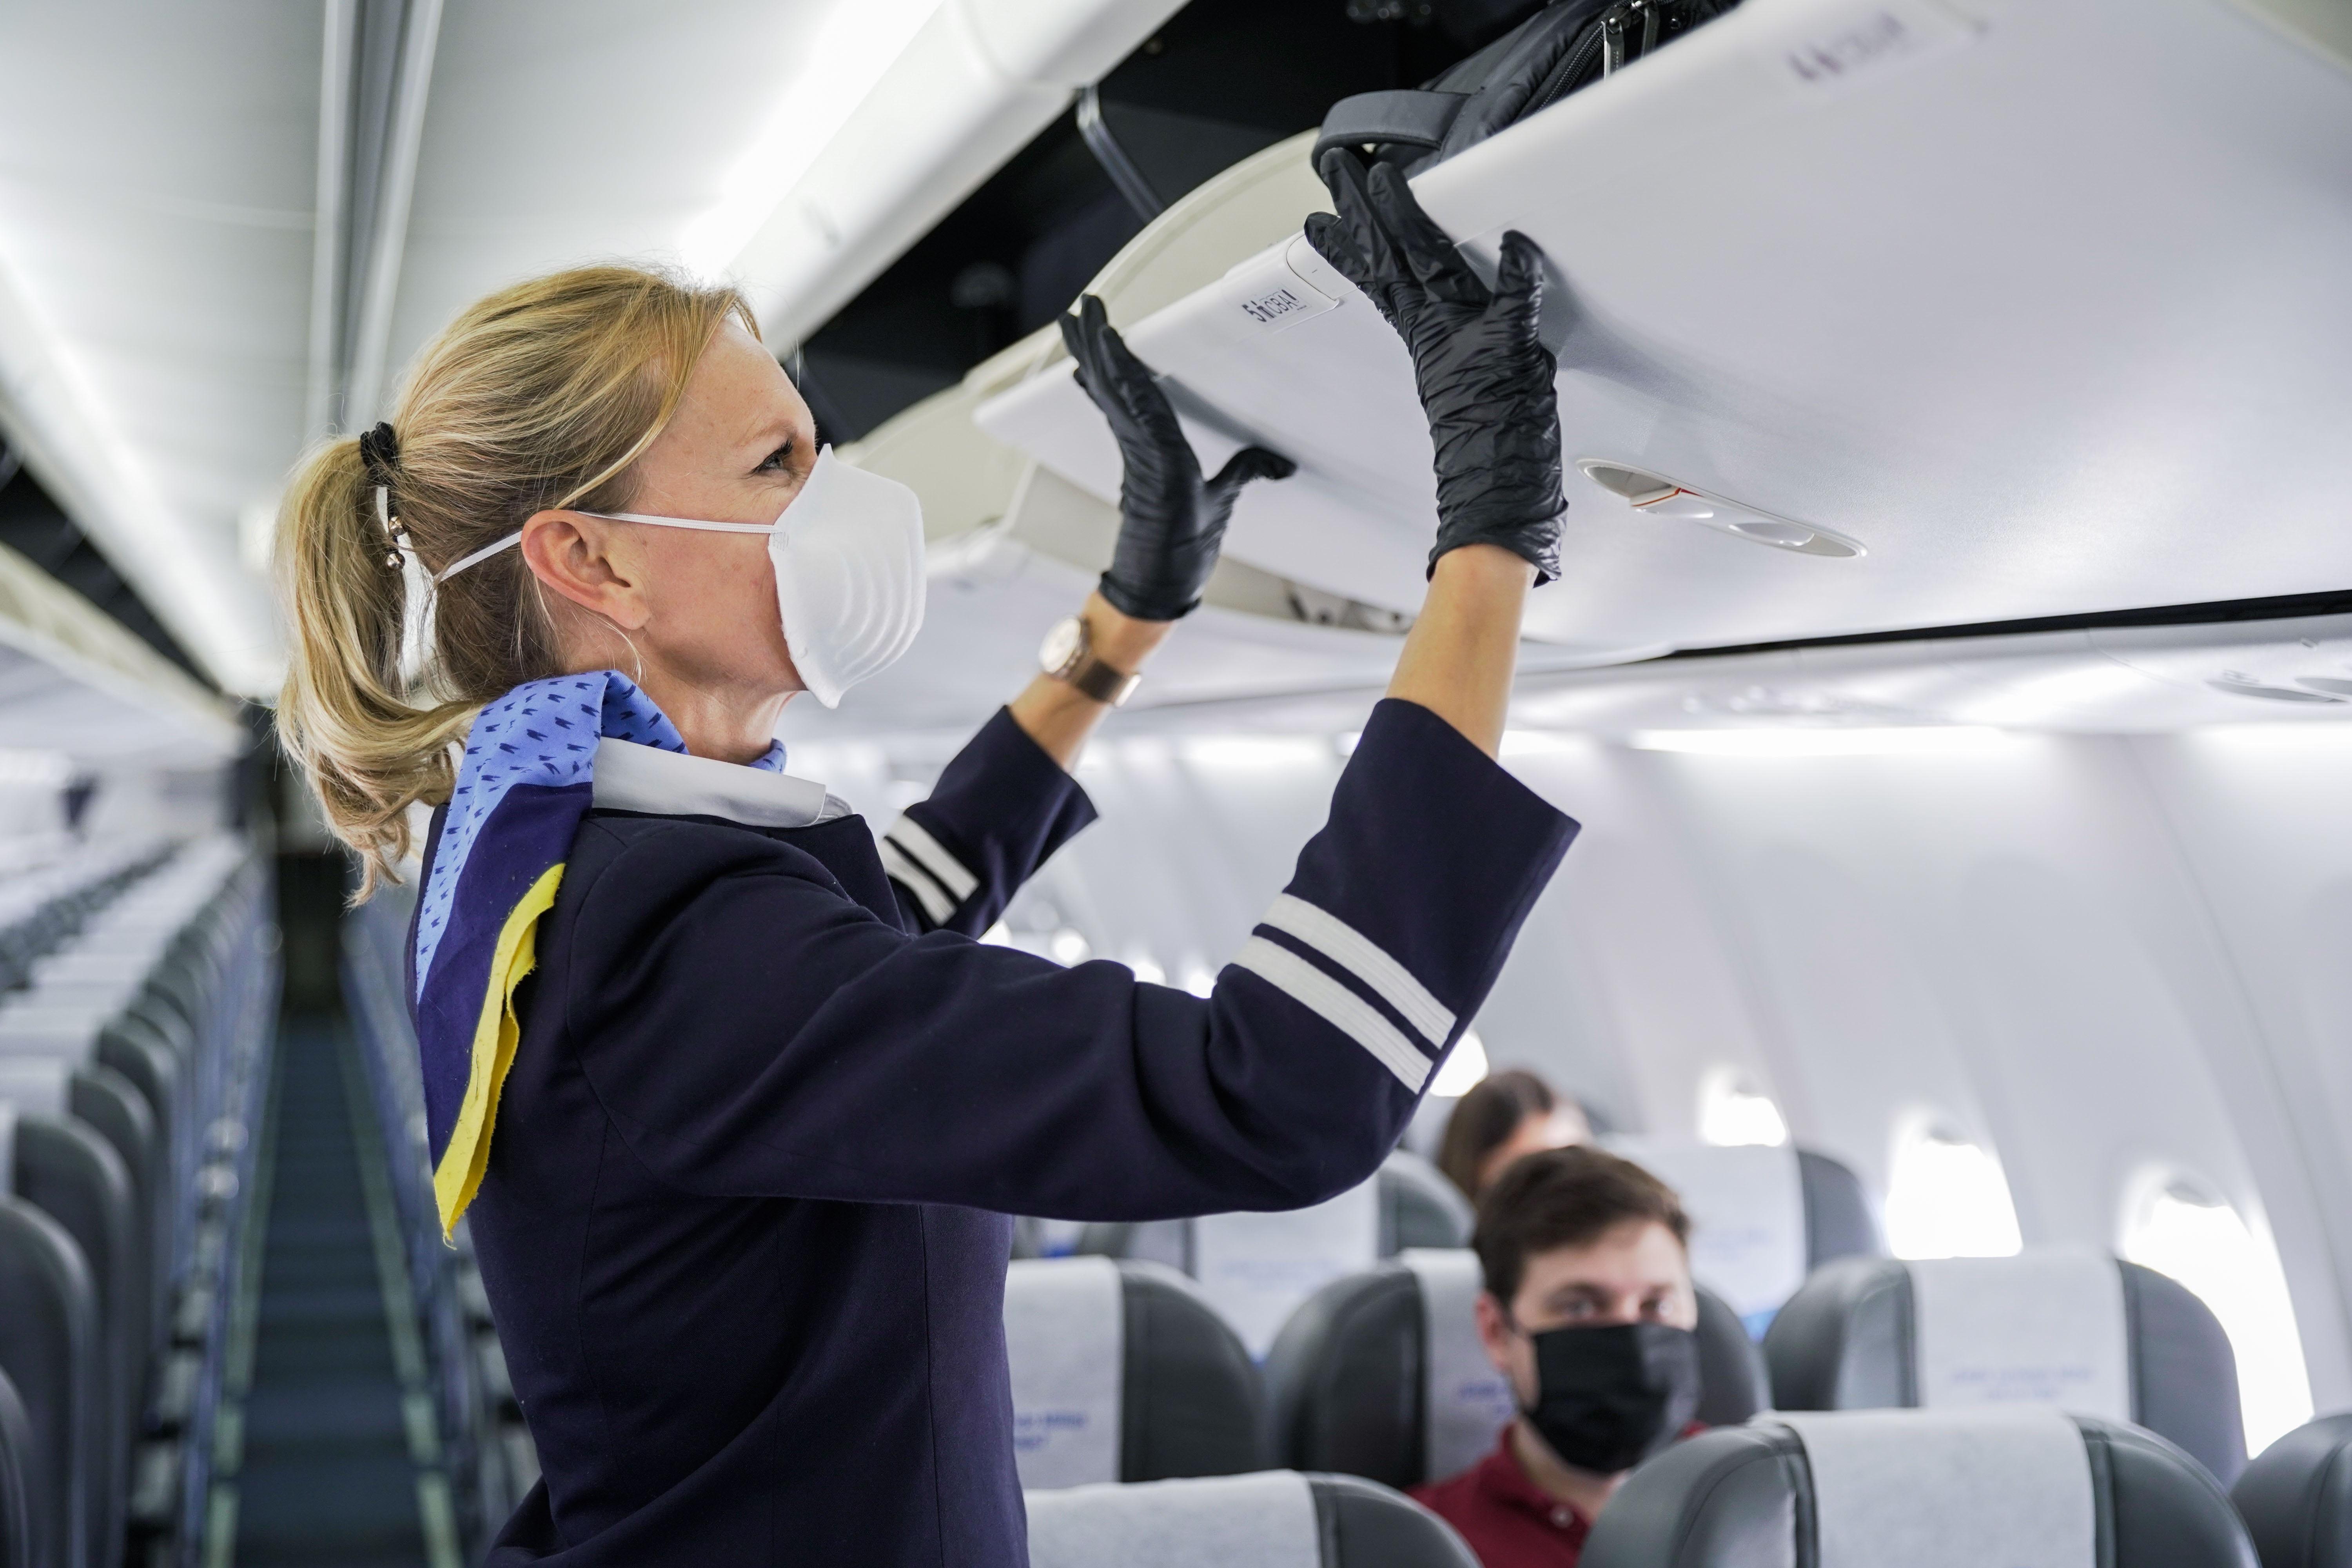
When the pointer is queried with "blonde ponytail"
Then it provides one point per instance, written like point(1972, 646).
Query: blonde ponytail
point(540, 397)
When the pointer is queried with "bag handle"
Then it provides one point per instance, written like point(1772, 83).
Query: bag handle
point(1402, 117)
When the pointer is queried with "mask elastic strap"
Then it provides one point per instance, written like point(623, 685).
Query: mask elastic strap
point(693, 522)
point(486, 551)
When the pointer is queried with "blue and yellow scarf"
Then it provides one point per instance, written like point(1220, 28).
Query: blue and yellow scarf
point(527, 779)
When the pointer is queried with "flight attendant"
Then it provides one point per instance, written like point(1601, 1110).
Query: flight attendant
point(732, 1099)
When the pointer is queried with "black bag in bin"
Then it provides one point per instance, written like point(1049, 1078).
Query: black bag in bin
point(1567, 45)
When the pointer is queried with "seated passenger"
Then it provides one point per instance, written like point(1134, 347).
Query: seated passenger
point(1506, 1115)
point(1589, 1311)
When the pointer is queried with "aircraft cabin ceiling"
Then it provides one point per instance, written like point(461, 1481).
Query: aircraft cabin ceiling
point(2020, 312)
point(225, 227)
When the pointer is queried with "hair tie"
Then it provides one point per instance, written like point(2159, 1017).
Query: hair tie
point(380, 454)
point(379, 450)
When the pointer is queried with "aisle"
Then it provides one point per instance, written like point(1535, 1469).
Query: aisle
point(328, 1478)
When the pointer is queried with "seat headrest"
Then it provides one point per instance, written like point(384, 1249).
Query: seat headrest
point(2066, 1327)
point(1278, 1518)
point(1747, 1206)
point(1065, 1346)
point(1122, 1371)
point(1257, 1267)
point(2022, 1488)
point(1265, 1519)
point(1382, 1375)
point(1419, 1208)
point(2296, 1497)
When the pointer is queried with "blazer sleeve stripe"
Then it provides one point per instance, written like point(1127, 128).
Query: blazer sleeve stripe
point(1336, 1005)
point(928, 852)
point(1351, 950)
point(918, 881)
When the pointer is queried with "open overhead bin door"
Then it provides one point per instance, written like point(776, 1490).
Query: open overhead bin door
point(1871, 314)
point(980, 494)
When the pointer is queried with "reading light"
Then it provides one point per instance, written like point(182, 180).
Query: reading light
point(1924, 739)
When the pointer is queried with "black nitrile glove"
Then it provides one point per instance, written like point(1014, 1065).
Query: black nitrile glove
point(1486, 380)
point(1172, 522)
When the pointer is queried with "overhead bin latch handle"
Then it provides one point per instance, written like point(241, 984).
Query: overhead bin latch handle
point(1402, 117)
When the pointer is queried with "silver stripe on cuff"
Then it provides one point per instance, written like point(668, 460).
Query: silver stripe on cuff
point(1353, 950)
point(918, 881)
point(1336, 1005)
point(926, 852)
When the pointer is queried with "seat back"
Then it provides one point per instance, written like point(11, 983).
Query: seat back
point(2296, 1497)
point(16, 1522)
point(1762, 1217)
point(2022, 1488)
point(1122, 1371)
point(1257, 1267)
point(68, 1172)
point(52, 1353)
point(1278, 1518)
point(1382, 1375)
point(2063, 1326)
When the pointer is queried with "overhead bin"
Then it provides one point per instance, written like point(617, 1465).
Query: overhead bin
point(73, 681)
point(1870, 314)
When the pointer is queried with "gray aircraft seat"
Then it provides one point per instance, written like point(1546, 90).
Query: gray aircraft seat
point(1762, 1219)
point(2064, 1326)
point(16, 1500)
point(2020, 1487)
point(66, 1169)
point(1257, 1267)
point(114, 1109)
point(1418, 1207)
point(86, 1037)
point(53, 1354)
point(2296, 1497)
point(1122, 1371)
point(1381, 1374)
point(1276, 1518)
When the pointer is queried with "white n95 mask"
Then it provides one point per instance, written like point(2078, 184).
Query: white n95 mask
point(849, 554)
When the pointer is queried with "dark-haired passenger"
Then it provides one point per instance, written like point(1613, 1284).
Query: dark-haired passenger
point(1504, 1115)
point(1589, 1312)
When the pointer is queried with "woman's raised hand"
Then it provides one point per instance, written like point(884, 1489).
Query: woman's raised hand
point(1171, 520)
point(1486, 379)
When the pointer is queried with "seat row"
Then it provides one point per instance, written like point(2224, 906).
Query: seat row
point(1129, 1369)
point(132, 1041)
point(2023, 1487)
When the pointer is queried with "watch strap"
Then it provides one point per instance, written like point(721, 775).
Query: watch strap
point(1099, 680)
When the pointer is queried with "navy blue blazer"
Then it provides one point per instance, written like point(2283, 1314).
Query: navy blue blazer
point(742, 1227)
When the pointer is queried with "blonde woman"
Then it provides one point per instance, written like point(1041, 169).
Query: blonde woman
point(735, 1100)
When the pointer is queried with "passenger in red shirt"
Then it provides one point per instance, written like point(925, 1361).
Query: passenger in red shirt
point(1589, 1312)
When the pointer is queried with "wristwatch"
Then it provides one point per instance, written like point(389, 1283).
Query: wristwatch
point(1068, 655)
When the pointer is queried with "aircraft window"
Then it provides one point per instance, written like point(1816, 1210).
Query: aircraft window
point(1199, 978)
point(1067, 946)
point(1463, 1069)
point(2178, 1228)
point(1947, 1197)
point(1147, 968)
point(1732, 1111)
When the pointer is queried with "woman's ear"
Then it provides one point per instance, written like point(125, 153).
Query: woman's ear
point(589, 561)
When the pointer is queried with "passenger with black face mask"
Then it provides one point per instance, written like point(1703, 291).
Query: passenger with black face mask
point(1588, 1312)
